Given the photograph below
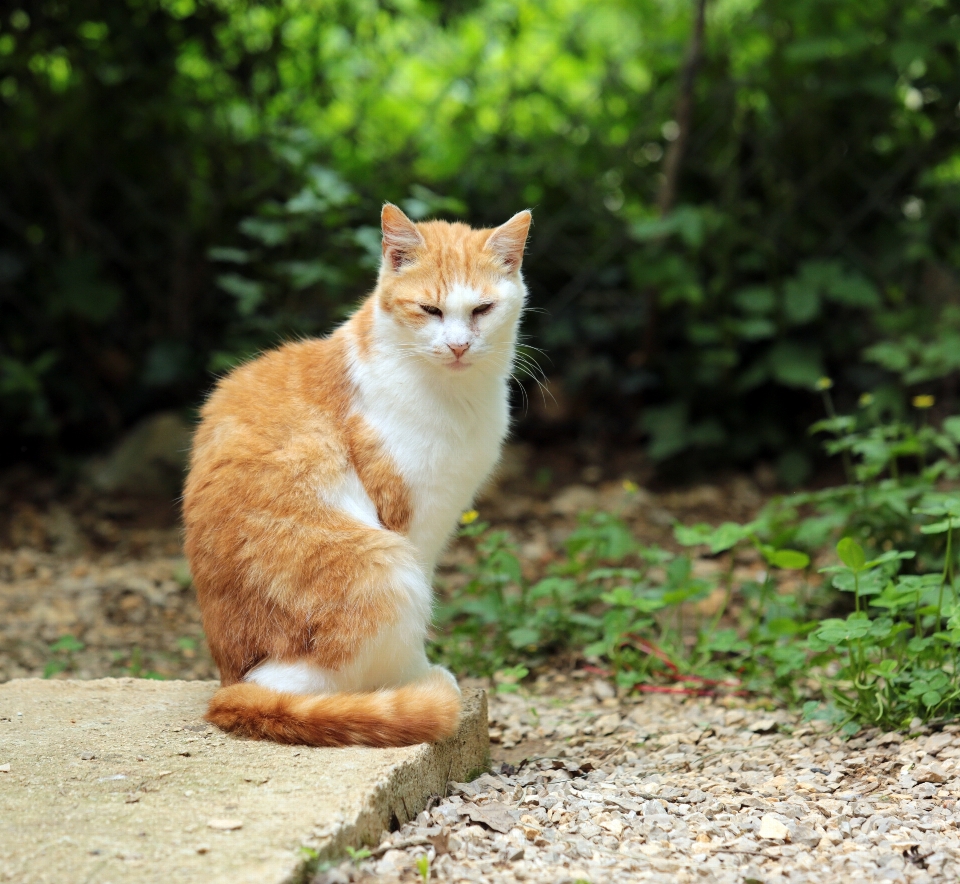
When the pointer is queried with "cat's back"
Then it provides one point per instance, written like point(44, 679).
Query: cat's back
point(285, 400)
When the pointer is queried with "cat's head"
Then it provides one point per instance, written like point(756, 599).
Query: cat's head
point(449, 294)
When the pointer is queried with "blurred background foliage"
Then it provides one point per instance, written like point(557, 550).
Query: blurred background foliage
point(717, 227)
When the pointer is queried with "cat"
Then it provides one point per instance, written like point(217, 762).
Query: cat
point(325, 479)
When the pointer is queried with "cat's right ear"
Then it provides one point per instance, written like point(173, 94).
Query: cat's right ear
point(401, 239)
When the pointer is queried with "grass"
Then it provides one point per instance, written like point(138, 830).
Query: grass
point(870, 637)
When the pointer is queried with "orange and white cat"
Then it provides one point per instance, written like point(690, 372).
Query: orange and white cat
point(327, 476)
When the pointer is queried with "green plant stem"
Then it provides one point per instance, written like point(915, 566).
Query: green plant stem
point(844, 454)
point(947, 557)
point(727, 596)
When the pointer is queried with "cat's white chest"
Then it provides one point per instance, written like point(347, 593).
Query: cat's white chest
point(443, 446)
point(443, 474)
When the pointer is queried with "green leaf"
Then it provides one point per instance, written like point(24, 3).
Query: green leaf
point(756, 299)
point(719, 539)
point(801, 302)
point(523, 636)
point(248, 292)
point(937, 527)
point(789, 559)
point(851, 554)
point(228, 255)
point(68, 643)
point(836, 632)
point(270, 233)
point(796, 365)
point(951, 426)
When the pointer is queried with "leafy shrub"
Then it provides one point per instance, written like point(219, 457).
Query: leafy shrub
point(186, 182)
point(878, 641)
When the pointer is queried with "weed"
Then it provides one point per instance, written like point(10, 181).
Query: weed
point(135, 667)
point(357, 855)
point(423, 867)
point(62, 651)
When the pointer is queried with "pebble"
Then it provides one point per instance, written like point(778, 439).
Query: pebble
point(771, 828)
point(225, 825)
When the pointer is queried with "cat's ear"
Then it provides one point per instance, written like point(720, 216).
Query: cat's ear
point(508, 240)
point(401, 239)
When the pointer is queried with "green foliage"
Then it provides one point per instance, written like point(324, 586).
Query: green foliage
point(185, 183)
point(423, 868)
point(357, 855)
point(878, 641)
point(61, 659)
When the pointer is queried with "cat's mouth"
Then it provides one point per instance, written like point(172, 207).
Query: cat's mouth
point(457, 365)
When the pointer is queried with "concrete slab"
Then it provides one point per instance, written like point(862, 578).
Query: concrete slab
point(121, 780)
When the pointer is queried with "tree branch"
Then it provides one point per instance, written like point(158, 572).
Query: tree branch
point(684, 110)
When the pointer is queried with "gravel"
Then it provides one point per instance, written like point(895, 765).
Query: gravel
point(666, 788)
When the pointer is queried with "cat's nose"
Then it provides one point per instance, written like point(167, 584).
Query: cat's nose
point(459, 349)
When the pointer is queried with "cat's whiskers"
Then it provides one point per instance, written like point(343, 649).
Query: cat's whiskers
point(527, 365)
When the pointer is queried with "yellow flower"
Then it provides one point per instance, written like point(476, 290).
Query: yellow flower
point(924, 401)
point(630, 487)
point(866, 399)
point(824, 383)
point(468, 517)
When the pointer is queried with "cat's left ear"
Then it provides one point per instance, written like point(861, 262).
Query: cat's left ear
point(401, 239)
point(508, 240)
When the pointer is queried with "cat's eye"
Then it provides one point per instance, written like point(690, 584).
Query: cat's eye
point(483, 309)
point(433, 311)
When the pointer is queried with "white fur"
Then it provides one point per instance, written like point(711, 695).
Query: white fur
point(443, 428)
point(443, 421)
point(351, 497)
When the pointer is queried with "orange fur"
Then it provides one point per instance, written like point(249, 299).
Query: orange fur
point(457, 253)
point(404, 716)
point(282, 575)
point(279, 575)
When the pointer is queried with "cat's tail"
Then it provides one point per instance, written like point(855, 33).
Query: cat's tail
point(420, 712)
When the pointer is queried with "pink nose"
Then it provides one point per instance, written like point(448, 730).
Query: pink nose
point(459, 350)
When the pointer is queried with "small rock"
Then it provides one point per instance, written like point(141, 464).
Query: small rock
point(805, 835)
point(574, 499)
point(930, 773)
point(603, 690)
point(938, 742)
point(150, 459)
point(5, 768)
point(772, 829)
point(203, 848)
point(764, 726)
point(225, 825)
point(614, 826)
point(87, 756)
point(391, 861)
point(606, 724)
